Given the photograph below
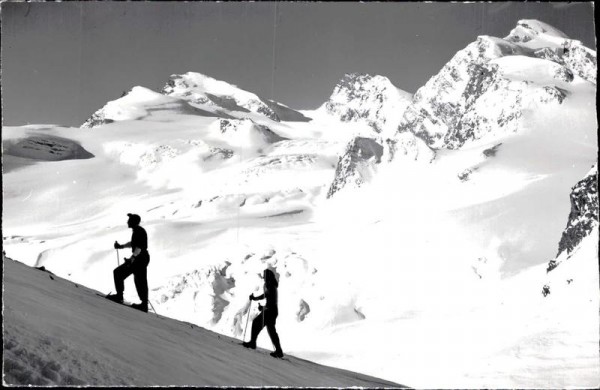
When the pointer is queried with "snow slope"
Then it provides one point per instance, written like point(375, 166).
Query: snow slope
point(57, 332)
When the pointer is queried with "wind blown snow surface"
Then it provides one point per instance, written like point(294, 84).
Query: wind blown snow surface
point(418, 255)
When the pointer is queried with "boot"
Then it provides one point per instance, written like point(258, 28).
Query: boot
point(141, 306)
point(249, 344)
point(277, 354)
point(115, 297)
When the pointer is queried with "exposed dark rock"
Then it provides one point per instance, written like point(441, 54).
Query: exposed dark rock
point(545, 290)
point(303, 310)
point(481, 78)
point(97, 119)
point(373, 100)
point(580, 60)
point(359, 151)
point(491, 152)
point(553, 94)
point(234, 125)
point(466, 174)
point(226, 102)
point(285, 113)
point(564, 74)
point(219, 153)
point(584, 212)
point(583, 217)
point(46, 148)
point(549, 54)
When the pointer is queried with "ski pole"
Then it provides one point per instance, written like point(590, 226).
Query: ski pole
point(152, 306)
point(249, 306)
point(118, 264)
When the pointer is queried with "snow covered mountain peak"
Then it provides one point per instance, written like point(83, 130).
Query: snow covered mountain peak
point(485, 88)
point(209, 93)
point(203, 90)
point(374, 100)
point(201, 83)
point(192, 93)
point(141, 103)
point(528, 29)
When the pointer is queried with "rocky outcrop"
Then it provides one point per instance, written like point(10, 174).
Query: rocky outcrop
point(583, 217)
point(285, 113)
point(584, 212)
point(407, 146)
point(576, 263)
point(45, 147)
point(354, 166)
point(97, 119)
point(246, 131)
point(373, 100)
point(580, 60)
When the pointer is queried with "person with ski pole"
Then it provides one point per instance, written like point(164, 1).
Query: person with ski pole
point(268, 314)
point(137, 264)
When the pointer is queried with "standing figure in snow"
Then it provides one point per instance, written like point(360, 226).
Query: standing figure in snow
point(268, 314)
point(136, 264)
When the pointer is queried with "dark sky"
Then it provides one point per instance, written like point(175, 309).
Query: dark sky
point(63, 61)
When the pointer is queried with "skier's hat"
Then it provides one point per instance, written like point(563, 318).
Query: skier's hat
point(135, 218)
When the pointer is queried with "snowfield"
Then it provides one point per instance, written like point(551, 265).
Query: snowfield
point(411, 236)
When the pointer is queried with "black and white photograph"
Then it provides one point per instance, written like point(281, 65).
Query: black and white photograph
point(300, 194)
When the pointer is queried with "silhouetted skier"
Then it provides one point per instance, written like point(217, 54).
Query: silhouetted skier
point(136, 264)
point(268, 316)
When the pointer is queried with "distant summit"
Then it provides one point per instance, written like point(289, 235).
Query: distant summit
point(141, 103)
point(485, 88)
point(192, 94)
point(207, 91)
point(373, 100)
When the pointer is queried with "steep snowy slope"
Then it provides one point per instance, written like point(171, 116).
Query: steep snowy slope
point(57, 332)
